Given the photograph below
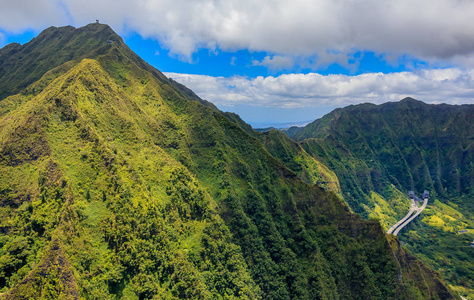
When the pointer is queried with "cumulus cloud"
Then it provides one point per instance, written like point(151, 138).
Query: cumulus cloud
point(454, 86)
point(433, 30)
point(16, 16)
point(275, 62)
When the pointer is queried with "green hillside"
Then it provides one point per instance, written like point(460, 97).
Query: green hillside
point(293, 156)
point(379, 152)
point(117, 183)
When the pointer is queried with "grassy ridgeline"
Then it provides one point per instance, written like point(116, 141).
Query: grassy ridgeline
point(119, 183)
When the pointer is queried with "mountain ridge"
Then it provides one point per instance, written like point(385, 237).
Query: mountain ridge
point(380, 152)
point(145, 192)
point(390, 118)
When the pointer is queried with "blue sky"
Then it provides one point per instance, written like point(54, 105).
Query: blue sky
point(275, 61)
point(217, 62)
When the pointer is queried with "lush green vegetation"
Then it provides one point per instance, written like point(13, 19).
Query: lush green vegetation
point(410, 145)
point(381, 152)
point(437, 240)
point(119, 183)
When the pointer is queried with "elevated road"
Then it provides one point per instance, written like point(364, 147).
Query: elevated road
point(413, 207)
point(414, 212)
point(419, 210)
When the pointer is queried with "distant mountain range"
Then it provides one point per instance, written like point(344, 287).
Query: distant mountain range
point(281, 126)
point(408, 144)
point(380, 152)
point(117, 182)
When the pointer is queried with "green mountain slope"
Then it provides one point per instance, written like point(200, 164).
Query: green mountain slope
point(21, 65)
point(296, 159)
point(414, 146)
point(292, 155)
point(116, 182)
point(379, 152)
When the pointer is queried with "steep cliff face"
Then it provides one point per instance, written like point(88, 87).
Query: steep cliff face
point(380, 152)
point(116, 182)
point(408, 144)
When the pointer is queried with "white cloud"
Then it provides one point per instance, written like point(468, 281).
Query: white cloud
point(437, 30)
point(2, 39)
point(19, 15)
point(275, 62)
point(454, 86)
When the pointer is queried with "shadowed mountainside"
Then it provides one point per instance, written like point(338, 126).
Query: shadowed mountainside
point(409, 144)
point(379, 152)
